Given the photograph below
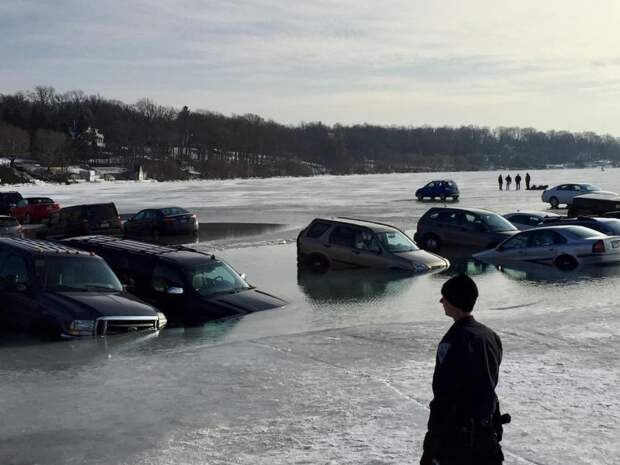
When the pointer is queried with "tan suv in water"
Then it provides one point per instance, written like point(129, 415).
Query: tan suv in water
point(352, 243)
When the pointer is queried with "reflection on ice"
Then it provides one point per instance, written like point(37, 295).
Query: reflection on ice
point(359, 285)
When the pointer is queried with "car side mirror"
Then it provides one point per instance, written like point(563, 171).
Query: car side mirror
point(173, 290)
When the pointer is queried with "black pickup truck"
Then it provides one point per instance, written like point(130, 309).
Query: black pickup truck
point(56, 291)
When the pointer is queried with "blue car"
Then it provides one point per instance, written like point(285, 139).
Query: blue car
point(442, 189)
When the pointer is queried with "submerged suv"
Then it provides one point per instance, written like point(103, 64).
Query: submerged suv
point(189, 286)
point(56, 291)
point(351, 243)
point(78, 220)
point(462, 226)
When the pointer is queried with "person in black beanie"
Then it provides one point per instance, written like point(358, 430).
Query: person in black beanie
point(465, 423)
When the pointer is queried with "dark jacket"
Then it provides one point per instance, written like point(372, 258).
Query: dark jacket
point(463, 423)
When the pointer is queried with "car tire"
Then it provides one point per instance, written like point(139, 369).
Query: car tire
point(442, 198)
point(554, 202)
point(566, 263)
point(431, 242)
point(455, 197)
point(317, 263)
point(420, 197)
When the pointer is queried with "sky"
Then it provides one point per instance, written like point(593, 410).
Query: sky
point(551, 65)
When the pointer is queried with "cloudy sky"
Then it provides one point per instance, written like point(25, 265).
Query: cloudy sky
point(548, 64)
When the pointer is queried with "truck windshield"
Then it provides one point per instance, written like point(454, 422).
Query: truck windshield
point(395, 241)
point(66, 273)
point(215, 277)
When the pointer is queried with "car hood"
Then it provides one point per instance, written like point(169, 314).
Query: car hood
point(426, 258)
point(248, 301)
point(91, 305)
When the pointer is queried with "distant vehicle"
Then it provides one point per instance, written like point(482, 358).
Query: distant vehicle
point(78, 220)
point(594, 204)
point(352, 243)
point(565, 193)
point(189, 286)
point(8, 200)
point(564, 247)
point(56, 291)
point(10, 227)
point(609, 226)
point(161, 221)
point(476, 227)
point(441, 189)
point(33, 209)
point(527, 219)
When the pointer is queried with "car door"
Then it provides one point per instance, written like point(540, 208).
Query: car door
point(514, 249)
point(135, 223)
point(19, 307)
point(448, 226)
point(544, 246)
point(471, 229)
point(342, 250)
point(168, 290)
point(151, 222)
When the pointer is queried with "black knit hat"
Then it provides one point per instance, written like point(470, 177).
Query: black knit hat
point(461, 291)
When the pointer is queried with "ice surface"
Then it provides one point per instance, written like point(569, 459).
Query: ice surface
point(340, 376)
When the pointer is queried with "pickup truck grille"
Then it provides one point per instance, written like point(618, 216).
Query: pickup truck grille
point(118, 325)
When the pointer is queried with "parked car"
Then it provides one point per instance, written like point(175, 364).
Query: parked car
point(189, 286)
point(58, 291)
point(78, 220)
point(161, 221)
point(441, 189)
point(8, 200)
point(350, 243)
point(476, 227)
point(609, 226)
point(10, 227)
point(594, 204)
point(33, 209)
point(565, 193)
point(564, 247)
point(527, 219)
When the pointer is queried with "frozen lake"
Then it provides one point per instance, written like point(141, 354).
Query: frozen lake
point(340, 376)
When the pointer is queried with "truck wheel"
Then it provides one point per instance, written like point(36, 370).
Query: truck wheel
point(431, 242)
point(566, 263)
point(555, 203)
point(317, 263)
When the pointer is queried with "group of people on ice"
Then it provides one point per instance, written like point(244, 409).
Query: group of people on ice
point(508, 181)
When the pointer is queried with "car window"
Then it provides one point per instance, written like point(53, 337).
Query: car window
point(366, 240)
point(496, 223)
point(545, 239)
point(150, 215)
point(576, 187)
point(582, 232)
point(81, 273)
point(445, 216)
point(317, 229)
point(15, 266)
point(517, 219)
point(164, 276)
point(22, 203)
point(344, 236)
point(518, 241)
point(172, 211)
point(39, 200)
point(430, 184)
point(139, 216)
point(533, 220)
point(215, 277)
point(469, 218)
point(100, 212)
point(611, 227)
point(395, 242)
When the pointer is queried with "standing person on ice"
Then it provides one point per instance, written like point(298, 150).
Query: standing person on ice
point(508, 182)
point(465, 424)
point(518, 181)
point(500, 181)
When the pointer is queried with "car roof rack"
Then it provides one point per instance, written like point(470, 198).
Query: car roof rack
point(41, 246)
point(145, 248)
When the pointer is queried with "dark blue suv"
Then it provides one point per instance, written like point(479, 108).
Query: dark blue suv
point(442, 189)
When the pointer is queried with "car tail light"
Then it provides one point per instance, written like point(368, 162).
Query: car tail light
point(599, 246)
point(168, 220)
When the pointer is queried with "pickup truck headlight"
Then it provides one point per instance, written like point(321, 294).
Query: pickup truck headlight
point(82, 328)
point(161, 320)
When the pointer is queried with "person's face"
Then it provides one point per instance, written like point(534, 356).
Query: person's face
point(450, 310)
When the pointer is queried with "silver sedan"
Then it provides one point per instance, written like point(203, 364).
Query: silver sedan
point(565, 247)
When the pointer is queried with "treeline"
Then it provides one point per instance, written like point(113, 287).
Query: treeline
point(61, 129)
